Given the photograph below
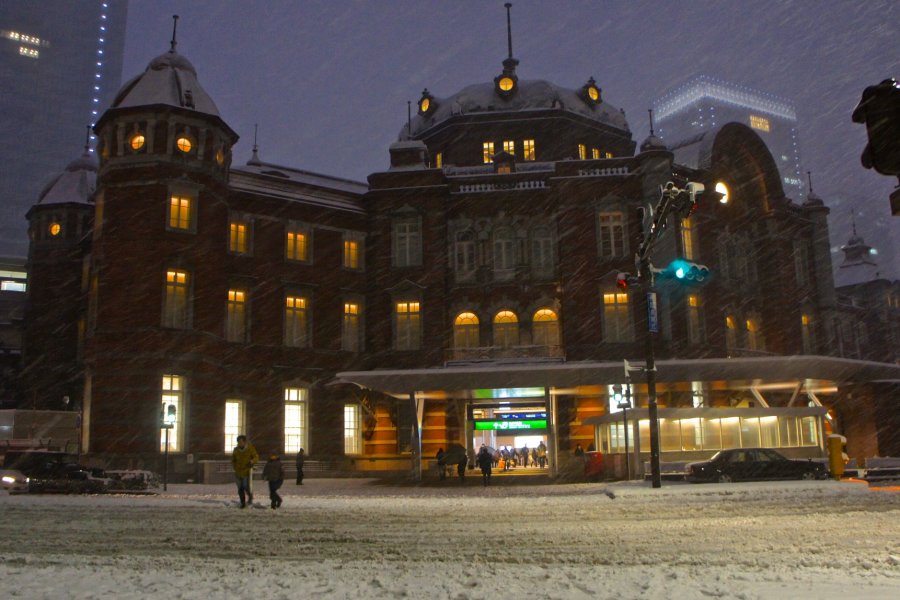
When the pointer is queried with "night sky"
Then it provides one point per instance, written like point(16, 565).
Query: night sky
point(328, 80)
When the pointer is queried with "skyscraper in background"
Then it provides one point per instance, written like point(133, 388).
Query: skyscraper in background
point(704, 103)
point(60, 65)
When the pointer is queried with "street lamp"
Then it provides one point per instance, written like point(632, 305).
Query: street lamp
point(624, 403)
point(167, 422)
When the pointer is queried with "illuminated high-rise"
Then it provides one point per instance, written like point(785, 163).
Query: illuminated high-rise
point(60, 65)
point(704, 103)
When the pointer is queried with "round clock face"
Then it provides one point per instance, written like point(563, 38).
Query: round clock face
point(424, 105)
point(54, 229)
point(137, 141)
point(506, 84)
point(184, 144)
point(593, 93)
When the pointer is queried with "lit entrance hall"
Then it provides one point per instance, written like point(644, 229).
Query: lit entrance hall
point(513, 429)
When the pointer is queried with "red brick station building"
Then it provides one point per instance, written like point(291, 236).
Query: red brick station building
point(467, 294)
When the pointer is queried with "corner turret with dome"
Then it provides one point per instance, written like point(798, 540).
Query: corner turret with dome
point(165, 114)
point(534, 120)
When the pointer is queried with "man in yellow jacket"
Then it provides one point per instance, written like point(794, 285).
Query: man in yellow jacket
point(242, 459)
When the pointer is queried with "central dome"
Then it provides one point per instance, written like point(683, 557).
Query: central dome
point(531, 95)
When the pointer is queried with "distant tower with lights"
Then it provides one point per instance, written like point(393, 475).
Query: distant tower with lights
point(704, 103)
point(60, 64)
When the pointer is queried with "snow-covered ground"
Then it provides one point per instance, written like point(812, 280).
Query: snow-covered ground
point(356, 538)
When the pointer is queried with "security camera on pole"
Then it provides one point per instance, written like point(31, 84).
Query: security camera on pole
point(680, 203)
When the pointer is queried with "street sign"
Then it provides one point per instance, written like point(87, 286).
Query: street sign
point(652, 322)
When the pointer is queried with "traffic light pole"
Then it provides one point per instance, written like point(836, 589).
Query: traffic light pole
point(646, 277)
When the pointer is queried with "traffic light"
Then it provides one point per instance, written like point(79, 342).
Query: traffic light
point(686, 271)
point(623, 280)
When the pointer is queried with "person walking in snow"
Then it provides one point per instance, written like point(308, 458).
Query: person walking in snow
point(273, 472)
point(542, 454)
point(485, 461)
point(243, 457)
point(442, 468)
point(301, 458)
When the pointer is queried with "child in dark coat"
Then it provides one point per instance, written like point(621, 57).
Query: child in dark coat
point(274, 474)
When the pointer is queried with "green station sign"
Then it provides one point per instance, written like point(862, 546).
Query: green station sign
point(510, 425)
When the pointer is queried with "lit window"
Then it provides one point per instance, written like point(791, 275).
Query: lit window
point(509, 146)
point(506, 329)
point(506, 84)
point(295, 408)
point(137, 141)
point(755, 339)
point(582, 151)
point(528, 149)
point(545, 328)
point(184, 144)
point(612, 235)
point(465, 331)
point(616, 326)
point(760, 123)
point(296, 330)
point(175, 305)
point(407, 242)
point(439, 160)
point(220, 157)
point(408, 326)
point(687, 238)
point(237, 237)
point(54, 229)
point(180, 209)
point(350, 330)
point(730, 333)
point(297, 243)
point(487, 152)
point(172, 413)
point(234, 423)
point(609, 155)
point(695, 322)
point(352, 439)
point(595, 153)
point(236, 316)
point(807, 334)
point(351, 254)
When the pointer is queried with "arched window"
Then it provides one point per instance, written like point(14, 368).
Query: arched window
point(730, 333)
point(465, 331)
point(545, 328)
point(506, 329)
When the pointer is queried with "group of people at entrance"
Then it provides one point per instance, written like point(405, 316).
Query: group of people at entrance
point(508, 457)
point(488, 459)
point(244, 457)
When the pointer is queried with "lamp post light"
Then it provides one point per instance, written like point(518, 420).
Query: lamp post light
point(625, 404)
point(167, 422)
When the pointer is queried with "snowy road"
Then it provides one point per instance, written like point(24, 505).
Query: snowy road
point(357, 539)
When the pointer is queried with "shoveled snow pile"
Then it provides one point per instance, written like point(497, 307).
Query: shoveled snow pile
point(362, 539)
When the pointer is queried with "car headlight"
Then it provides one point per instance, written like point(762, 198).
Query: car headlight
point(9, 479)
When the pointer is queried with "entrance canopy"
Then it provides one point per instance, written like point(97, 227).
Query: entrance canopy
point(816, 370)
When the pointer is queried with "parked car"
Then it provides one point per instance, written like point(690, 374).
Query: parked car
point(749, 464)
point(13, 481)
point(46, 471)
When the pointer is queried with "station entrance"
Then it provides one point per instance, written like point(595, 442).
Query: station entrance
point(514, 426)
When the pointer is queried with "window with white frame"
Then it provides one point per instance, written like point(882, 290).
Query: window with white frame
point(407, 241)
point(504, 250)
point(175, 304)
point(611, 229)
point(528, 150)
point(236, 316)
point(408, 326)
point(487, 152)
point(506, 329)
point(350, 327)
point(465, 330)
point(352, 437)
point(172, 413)
point(181, 213)
point(542, 259)
point(464, 254)
point(234, 423)
point(296, 326)
point(545, 328)
point(295, 419)
point(616, 320)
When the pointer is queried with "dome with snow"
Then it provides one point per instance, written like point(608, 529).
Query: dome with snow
point(76, 184)
point(170, 79)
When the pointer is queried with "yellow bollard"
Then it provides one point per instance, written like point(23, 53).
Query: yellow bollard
point(836, 455)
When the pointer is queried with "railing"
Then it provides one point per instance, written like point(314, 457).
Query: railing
point(534, 184)
point(605, 172)
point(490, 353)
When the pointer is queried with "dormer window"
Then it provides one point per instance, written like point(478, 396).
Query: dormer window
point(184, 144)
point(427, 104)
point(590, 93)
point(137, 141)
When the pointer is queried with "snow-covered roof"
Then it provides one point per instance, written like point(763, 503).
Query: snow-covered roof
point(572, 374)
point(298, 186)
point(306, 177)
point(169, 79)
point(695, 152)
point(76, 184)
point(531, 95)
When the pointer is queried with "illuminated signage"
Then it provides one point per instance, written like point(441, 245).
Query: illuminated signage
point(532, 392)
point(491, 425)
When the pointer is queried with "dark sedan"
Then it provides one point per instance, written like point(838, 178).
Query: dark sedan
point(753, 464)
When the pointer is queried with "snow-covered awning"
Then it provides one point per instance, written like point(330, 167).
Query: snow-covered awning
point(755, 371)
